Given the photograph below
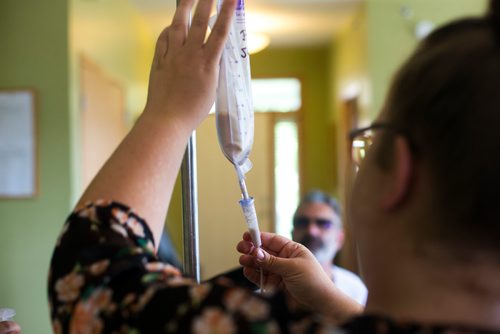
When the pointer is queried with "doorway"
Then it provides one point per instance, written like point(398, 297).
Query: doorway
point(273, 181)
point(102, 115)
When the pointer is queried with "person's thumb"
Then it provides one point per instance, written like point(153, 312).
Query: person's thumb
point(269, 262)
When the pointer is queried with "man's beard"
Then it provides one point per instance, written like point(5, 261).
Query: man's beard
point(314, 244)
point(323, 252)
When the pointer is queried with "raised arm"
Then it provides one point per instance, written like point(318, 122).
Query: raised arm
point(141, 172)
point(104, 275)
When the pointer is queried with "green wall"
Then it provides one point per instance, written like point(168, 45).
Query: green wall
point(368, 52)
point(34, 54)
point(371, 48)
point(390, 38)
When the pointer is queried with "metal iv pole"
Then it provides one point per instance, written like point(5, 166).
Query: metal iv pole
point(191, 258)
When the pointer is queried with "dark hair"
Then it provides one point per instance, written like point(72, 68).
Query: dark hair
point(447, 96)
point(318, 196)
point(494, 16)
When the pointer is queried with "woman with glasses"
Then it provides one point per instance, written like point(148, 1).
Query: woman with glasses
point(424, 209)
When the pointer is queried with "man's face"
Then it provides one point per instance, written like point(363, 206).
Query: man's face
point(318, 228)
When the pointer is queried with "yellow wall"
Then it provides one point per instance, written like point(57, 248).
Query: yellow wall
point(350, 57)
point(367, 54)
point(311, 66)
point(34, 53)
point(349, 75)
point(318, 166)
point(221, 220)
point(113, 35)
point(369, 51)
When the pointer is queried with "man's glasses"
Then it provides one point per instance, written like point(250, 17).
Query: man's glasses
point(362, 139)
point(302, 222)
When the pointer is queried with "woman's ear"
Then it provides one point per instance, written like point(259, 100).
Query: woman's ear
point(399, 176)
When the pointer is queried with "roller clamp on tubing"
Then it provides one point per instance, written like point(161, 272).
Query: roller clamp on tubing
point(251, 218)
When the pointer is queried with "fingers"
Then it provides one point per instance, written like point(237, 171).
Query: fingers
point(270, 281)
point(247, 236)
point(260, 259)
point(245, 246)
point(248, 261)
point(199, 24)
point(9, 327)
point(161, 47)
point(274, 244)
point(180, 22)
point(177, 34)
point(267, 261)
point(218, 36)
point(252, 275)
point(277, 245)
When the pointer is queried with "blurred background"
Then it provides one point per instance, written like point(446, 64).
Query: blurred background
point(323, 68)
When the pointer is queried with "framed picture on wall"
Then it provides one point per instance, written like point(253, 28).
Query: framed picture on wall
point(18, 151)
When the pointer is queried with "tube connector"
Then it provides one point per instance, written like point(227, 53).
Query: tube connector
point(251, 219)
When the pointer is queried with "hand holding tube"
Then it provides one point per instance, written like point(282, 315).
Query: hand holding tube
point(291, 266)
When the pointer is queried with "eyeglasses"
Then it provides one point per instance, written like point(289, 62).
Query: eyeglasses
point(301, 222)
point(361, 140)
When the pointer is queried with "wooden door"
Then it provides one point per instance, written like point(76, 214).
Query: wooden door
point(103, 124)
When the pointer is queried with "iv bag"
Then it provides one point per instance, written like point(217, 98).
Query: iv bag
point(234, 106)
point(234, 113)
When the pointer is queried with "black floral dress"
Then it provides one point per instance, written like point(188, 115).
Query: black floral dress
point(105, 278)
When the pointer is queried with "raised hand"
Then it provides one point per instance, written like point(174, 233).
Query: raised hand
point(141, 173)
point(184, 73)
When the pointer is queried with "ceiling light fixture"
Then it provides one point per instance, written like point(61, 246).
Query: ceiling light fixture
point(257, 42)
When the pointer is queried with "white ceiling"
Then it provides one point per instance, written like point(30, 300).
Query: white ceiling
point(287, 22)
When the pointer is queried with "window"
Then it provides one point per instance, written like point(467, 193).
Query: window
point(286, 174)
point(276, 95)
point(281, 97)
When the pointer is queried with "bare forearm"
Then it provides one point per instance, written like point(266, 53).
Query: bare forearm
point(141, 172)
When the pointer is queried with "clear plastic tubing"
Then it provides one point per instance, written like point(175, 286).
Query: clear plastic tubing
point(251, 219)
point(247, 204)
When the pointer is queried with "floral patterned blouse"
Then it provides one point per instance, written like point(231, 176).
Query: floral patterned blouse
point(105, 278)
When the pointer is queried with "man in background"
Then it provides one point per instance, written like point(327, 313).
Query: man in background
point(317, 224)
